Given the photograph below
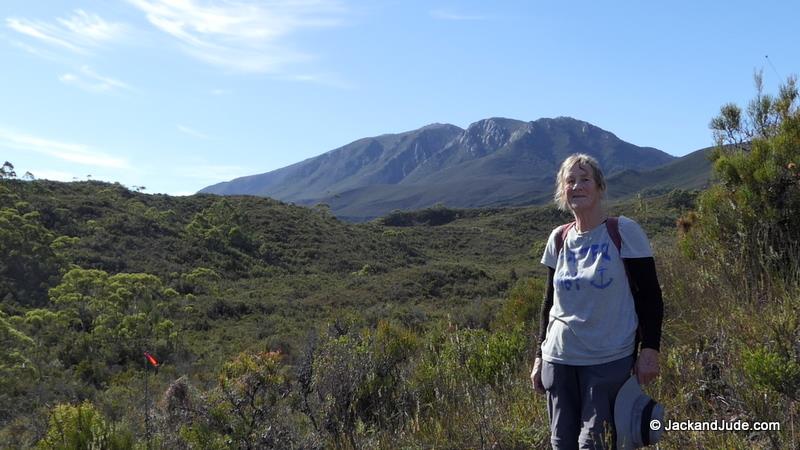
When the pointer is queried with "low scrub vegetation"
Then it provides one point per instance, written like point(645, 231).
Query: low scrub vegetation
point(276, 326)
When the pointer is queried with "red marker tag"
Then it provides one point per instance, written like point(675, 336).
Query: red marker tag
point(151, 359)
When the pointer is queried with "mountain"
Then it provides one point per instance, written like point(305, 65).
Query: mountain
point(692, 171)
point(495, 161)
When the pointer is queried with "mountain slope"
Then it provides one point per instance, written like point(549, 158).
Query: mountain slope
point(495, 161)
point(692, 171)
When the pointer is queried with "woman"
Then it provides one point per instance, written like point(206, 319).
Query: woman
point(591, 314)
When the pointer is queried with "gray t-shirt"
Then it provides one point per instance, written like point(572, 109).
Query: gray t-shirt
point(593, 318)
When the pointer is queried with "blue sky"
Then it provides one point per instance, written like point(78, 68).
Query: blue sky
point(175, 95)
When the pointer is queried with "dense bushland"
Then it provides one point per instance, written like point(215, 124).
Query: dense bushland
point(280, 327)
point(275, 325)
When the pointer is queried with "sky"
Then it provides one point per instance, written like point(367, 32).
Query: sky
point(176, 95)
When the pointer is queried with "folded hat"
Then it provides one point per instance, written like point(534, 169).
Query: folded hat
point(633, 413)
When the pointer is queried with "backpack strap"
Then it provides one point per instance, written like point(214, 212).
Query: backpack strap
point(612, 225)
point(561, 236)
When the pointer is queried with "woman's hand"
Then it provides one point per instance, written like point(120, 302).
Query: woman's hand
point(646, 367)
point(536, 376)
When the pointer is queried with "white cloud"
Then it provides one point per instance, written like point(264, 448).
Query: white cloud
point(77, 153)
point(89, 80)
point(455, 16)
point(78, 33)
point(92, 28)
point(191, 132)
point(242, 36)
point(35, 51)
point(322, 79)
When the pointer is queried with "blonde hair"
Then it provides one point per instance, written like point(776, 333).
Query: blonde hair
point(580, 159)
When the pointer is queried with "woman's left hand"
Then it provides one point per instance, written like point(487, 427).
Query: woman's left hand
point(646, 367)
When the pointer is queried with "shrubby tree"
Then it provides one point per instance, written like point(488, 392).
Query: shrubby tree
point(762, 118)
point(750, 222)
point(7, 171)
point(218, 227)
point(30, 256)
point(82, 427)
point(248, 408)
point(118, 316)
point(251, 396)
point(15, 364)
point(352, 380)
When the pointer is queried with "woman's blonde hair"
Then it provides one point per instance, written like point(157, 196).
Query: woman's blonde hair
point(580, 159)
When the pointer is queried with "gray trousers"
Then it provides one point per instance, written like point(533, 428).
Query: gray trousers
point(580, 402)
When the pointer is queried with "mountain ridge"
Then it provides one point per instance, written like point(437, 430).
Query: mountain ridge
point(494, 161)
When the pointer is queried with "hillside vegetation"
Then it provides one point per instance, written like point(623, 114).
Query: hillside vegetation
point(278, 326)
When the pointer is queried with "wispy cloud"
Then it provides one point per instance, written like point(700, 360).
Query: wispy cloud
point(77, 153)
point(243, 36)
point(35, 51)
point(192, 132)
point(322, 79)
point(80, 33)
point(444, 14)
point(89, 80)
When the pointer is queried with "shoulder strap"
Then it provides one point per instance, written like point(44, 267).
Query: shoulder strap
point(612, 225)
point(561, 236)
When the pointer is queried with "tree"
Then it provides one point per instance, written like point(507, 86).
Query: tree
point(15, 365)
point(763, 118)
point(121, 314)
point(7, 171)
point(251, 393)
point(29, 263)
point(82, 426)
point(749, 224)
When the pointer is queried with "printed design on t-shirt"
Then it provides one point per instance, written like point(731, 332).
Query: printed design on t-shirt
point(570, 279)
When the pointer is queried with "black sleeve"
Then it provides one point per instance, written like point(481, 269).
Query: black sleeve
point(647, 299)
point(544, 314)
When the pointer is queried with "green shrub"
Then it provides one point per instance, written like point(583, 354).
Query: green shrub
point(522, 306)
point(770, 370)
point(82, 427)
point(749, 224)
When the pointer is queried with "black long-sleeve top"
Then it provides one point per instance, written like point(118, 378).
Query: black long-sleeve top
point(646, 296)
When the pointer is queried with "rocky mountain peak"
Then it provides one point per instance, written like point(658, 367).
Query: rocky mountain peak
point(488, 135)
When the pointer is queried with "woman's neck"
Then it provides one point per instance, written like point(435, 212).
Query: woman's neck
point(586, 220)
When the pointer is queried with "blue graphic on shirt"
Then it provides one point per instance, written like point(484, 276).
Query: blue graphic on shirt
point(601, 284)
point(595, 251)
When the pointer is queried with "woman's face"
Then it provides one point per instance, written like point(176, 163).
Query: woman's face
point(581, 189)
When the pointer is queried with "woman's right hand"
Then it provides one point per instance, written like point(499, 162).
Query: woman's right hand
point(536, 376)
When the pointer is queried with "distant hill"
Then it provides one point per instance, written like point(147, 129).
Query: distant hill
point(692, 171)
point(494, 162)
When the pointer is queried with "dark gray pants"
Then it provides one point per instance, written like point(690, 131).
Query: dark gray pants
point(580, 402)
